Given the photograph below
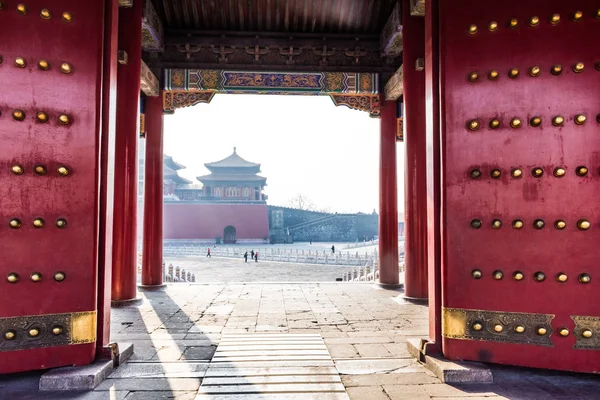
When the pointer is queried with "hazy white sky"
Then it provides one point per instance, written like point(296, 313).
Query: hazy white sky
point(304, 145)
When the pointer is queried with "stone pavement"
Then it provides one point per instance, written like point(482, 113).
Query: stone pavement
point(364, 327)
point(227, 270)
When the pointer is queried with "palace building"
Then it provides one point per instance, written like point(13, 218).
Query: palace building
point(229, 206)
point(171, 178)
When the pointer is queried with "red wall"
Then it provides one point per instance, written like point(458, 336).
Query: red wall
point(207, 221)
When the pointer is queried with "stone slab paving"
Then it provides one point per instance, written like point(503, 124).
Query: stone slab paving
point(228, 270)
point(176, 332)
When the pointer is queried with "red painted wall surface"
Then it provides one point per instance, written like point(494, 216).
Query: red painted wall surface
point(207, 221)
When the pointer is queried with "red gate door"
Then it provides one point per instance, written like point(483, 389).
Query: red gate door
point(50, 96)
point(520, 146)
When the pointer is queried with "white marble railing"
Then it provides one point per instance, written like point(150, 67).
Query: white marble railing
point(370, 272)
point(281, 255)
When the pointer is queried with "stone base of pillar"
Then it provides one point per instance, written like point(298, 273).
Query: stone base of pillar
point(416, 300)
point(151, 288)
point(390, 286)
point(86, 377)
point(126, 303)
point(450, 372)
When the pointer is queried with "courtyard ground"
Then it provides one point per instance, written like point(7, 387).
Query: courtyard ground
point(364, 327)
point(229, 270)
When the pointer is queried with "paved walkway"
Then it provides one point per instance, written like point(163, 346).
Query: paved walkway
point(176, 333)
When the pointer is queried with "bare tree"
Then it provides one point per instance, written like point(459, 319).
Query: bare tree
point(301, 202)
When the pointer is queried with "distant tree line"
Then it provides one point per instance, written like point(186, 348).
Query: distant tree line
point(303, 202)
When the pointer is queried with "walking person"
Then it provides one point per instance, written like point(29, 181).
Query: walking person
point(246, 256)
point(256, 257)
point(332, 249)
point(252, 253)
point(208, 253)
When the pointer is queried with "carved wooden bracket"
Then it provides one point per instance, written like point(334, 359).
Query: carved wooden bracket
point(357, 53)
point(392, 40)
point(417, 8)
point(394, 87)
point(324, 53)
point(257, 51)
point(223, 52)
point(153, 33)
point(149, 83)
point(188, 49)
point(290, 53)
point(370, 103)
point(174, 99)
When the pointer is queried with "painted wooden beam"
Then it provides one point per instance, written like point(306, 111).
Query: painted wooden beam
point(149, 82)
point(394, 87)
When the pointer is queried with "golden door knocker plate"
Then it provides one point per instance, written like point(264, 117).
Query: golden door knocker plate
point(49, 330)
point(584, 326)
point(497, 326)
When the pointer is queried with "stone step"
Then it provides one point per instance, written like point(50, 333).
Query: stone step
point(307, 347)
point(272, 366)
point(274, 396)
point(270, 371)
point(299, 387)
point(269, 379)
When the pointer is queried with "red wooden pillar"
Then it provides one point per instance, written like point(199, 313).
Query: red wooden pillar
point(415, 194)
point(432, 94)
point(105, 237)
point(388, 197)
point(126, 182)
point(153, 195)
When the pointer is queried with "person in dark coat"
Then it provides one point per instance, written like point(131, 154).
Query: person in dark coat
point(332, 249)
point(252, 253)
point(246, 257)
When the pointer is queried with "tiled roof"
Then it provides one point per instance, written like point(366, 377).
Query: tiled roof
point(168, 161)
point(233, 161)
